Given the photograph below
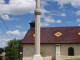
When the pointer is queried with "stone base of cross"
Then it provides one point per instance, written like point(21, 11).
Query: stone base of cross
point(37, 57)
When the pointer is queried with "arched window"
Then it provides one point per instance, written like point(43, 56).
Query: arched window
point(70, 51)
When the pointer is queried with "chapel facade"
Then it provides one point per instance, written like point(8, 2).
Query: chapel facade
point(56, 43)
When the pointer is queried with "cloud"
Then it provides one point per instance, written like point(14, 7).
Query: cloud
point(77, 12)
point(44, 3)
point(48, 20)
point(2, 1)
point(18, 26)
point(78, 20)
point(57, 13)
point(0, 32)
point(5, 17)
point(17, 7)
point(44, 24)
point(2, 37)
point(47, 23)
point(58, 21)
point(3, 40)
point(74, 3)
point(44, 11)
point(46, 15)
point(63, 14)
point(16, 33)
point(79, 25)
point(3, 43)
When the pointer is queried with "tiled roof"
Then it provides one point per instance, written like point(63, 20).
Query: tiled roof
point(55, 35)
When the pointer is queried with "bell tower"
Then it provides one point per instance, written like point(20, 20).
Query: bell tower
point(32, 24)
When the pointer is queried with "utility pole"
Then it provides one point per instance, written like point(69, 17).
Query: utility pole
point(4, 53)
point(37, 55)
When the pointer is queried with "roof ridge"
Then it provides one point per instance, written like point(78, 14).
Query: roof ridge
point(62, 27)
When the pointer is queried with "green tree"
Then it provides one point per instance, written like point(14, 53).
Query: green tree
point(1, 53)
point(12, 50)
point(0, 50)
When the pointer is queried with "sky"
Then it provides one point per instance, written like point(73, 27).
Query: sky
point(17, 14)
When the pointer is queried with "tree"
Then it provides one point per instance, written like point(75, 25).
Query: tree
point(1, 53)
point(12, 50)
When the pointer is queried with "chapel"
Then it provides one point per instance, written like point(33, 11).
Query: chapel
point(55, 41)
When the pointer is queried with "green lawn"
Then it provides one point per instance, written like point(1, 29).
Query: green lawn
point(73, 59)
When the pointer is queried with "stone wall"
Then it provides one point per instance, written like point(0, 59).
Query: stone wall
point(47, 51)
point(28, 51)
point(64, 50)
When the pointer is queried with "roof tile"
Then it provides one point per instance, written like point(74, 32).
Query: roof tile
point(69, 35)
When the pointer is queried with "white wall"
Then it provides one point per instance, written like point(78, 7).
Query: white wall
point(47, 51)
point(65, 47)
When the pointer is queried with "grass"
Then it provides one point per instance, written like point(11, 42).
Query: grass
point(73, 59)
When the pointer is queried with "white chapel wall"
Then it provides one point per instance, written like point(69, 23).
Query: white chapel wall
point(47, 51)
point(28, 51)
point(64, 50)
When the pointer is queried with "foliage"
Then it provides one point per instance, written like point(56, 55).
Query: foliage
point(13, 49)
point(1, 53)
point(0, 50)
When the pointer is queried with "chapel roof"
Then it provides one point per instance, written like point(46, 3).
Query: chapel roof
point(54, 35)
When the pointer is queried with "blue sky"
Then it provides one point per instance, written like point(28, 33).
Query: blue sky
point(18, 13)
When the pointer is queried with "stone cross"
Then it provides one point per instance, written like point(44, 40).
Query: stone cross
point(37, 55)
